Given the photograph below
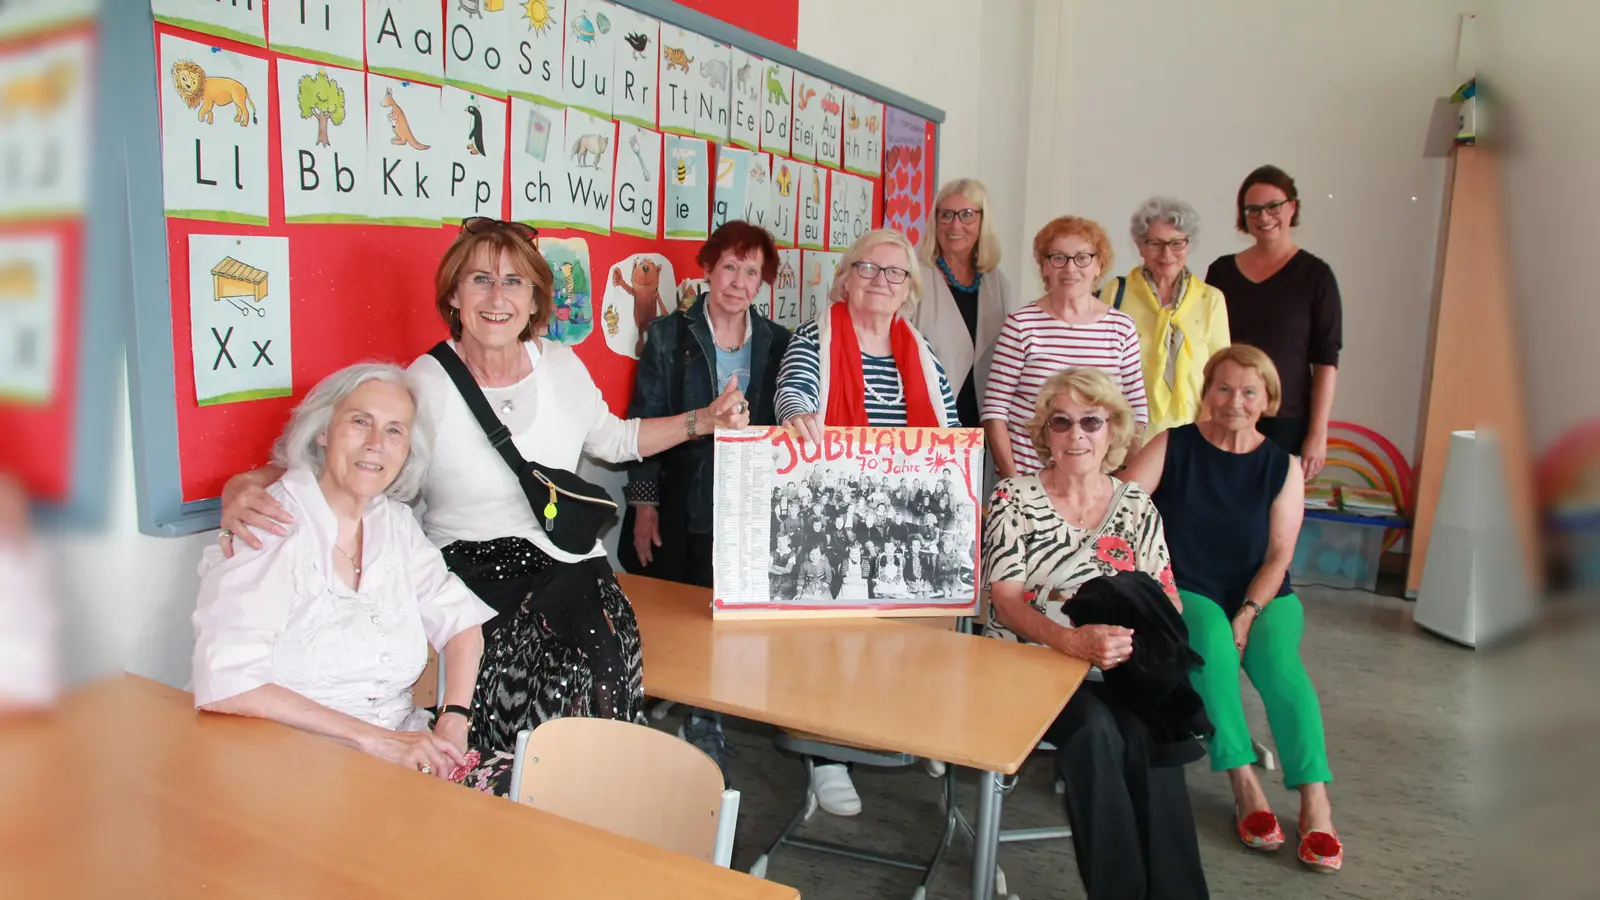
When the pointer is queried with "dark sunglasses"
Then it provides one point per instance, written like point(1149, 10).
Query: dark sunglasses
point(1064, 424)
point(484, 224)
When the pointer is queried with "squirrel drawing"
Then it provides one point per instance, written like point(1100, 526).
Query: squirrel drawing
point(475, 135)
point(397, 120)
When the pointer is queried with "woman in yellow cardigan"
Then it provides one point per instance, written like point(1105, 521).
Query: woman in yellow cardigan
point(1181, 319)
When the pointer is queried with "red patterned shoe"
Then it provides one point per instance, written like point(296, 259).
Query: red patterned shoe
point(1320, 851)
point(1260, 830)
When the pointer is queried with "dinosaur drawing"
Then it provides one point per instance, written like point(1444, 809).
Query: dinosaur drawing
point(591, 147)
point(775, 92)
point(475, 134)
point(676, 58)
point(715, 72)
point(638, 42)
point(398, 122)
point(644, 286)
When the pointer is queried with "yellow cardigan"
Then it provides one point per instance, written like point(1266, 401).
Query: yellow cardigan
point(1174, 344)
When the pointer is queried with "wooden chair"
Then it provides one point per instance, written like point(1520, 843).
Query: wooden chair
point(629, 780)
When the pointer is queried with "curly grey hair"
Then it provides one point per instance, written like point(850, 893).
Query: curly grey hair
point(298, 446)
point(1176, 212)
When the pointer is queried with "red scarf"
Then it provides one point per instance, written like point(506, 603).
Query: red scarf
point(847, 387)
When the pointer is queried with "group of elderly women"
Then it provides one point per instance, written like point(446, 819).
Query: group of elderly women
point(388, 520)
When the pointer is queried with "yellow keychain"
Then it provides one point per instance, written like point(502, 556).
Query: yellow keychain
point(550, 511)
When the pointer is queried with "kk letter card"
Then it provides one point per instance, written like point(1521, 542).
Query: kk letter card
point(405, 163)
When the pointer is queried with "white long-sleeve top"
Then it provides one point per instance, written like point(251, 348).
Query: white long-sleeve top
point(556, 414)
point(281, 615)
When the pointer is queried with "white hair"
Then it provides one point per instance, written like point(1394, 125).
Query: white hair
point(1177, 213)
point(859, 250)
point(298, 445)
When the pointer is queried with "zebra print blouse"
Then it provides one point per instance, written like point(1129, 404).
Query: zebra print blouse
point(1026, 540)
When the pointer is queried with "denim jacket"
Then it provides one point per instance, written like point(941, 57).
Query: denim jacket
point(685, 470)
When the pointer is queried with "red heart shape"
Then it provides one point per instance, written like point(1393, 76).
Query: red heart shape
point(916, 182)
point(915, 154)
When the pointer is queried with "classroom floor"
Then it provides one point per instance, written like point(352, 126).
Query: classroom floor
point(1396, 718)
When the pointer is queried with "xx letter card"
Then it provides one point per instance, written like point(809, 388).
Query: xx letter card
point(30, 298)
point(45, 127)
point(325, 31)
point(679, 79)
point(777, 113)
point(638, 292)
point(638, 182)
point(863, 136)
point(473, 141)
point(786, 190)
point(590, 161)
point(239, 317)
point(870, 521)
point(477, 38)
point(590, 38)
point(404, 39)
point(322, 119)
point(786, 292)
point(820, 269)
point(213, 137)
point(688, 212)
point(407, 174)
point(830, 126)
point(807, 117)
point(534, 44)
point(711, 117)
point(746, 103)
point(733, 180)
point(635, 67)
point(538, 163)
point(813, 220)
point(236, 20)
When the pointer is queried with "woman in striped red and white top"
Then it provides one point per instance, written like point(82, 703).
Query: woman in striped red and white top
point(1066, 328)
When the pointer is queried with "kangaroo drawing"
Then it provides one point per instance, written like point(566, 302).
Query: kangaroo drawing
point(397, 121)
point(475, 135)
point(591, 147)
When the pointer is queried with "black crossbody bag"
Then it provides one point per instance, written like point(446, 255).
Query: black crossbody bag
point(571, 509)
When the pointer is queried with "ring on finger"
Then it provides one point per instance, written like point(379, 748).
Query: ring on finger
point(225, 533)
point(424, 768)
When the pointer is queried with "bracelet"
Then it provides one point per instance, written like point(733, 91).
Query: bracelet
point(1251, 604)
point(689, 422)
point(454, 708)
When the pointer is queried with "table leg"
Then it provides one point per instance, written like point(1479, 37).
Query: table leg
point(986, 836)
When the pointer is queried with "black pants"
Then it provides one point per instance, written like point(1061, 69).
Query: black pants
point(682, 557)
point(1132, 828)
point(1288, 433)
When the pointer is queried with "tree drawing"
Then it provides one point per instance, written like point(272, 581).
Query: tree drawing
point(322, 97)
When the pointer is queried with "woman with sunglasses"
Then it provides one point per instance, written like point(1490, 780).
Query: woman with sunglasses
point(564, 641)
point(861, 363)
point(1046, 535)
point(960, 310)
point(1066, 328)
point(1285, 301)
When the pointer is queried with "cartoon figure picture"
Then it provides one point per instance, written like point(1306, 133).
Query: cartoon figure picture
point(853, 122)
point(803, 95)
point(475, 133)
point(638, 43)
point(633, 144)
point(676, 58)
point(689, 291)
point(683, 171)
point(644, 286)
point(829, 104)
point(591, 147)
point(398, 123)
point(571, 321)
point(872, 122)
point(816, 186)
point(42, 93)
point(541, 15)
point(321, 98)
point(612, 320)
point(206, 93)
point(785, 181)
point(775, 93)
point(786, 279)
point(758, 171)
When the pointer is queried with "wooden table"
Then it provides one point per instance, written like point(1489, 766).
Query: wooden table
point(127, 791)
point(880, 683)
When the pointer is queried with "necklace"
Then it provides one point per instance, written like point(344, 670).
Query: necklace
point(899, 394)
point(355, 561)
point(1083, 513)
point(977, 277)
point(507, 406)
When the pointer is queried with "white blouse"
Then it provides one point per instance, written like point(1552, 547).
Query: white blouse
point(555, 415)
point(281, 615)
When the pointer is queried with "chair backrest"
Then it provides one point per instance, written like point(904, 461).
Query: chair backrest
point(629, 780)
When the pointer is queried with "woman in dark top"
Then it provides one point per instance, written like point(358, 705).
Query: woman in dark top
point(1285, 301)
point(1231, 503)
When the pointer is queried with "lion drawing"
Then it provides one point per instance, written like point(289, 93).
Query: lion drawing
point(41, 93)
point(198, 90)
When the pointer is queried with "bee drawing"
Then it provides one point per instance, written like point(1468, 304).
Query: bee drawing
point(683, 172)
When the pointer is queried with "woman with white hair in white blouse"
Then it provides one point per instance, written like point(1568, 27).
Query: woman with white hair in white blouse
point(327, 628)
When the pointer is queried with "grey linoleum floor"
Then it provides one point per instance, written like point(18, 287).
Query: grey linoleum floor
point(1395, 708)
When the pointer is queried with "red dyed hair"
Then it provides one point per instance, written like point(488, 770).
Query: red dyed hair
point(741, 239)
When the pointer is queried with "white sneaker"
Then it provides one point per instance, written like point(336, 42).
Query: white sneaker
point(835, 792)
point(934, 767)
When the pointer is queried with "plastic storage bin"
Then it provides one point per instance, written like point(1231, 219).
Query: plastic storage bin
point(1338, 553)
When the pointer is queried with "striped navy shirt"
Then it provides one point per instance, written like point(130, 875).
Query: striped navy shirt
point(799, 383)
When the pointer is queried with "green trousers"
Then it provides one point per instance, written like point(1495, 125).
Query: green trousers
point(1272, 660)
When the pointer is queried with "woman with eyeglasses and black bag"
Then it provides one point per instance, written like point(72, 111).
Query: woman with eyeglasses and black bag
point(564, 641)
point(1285, 301)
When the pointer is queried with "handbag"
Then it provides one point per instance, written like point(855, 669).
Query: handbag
point(571, 509)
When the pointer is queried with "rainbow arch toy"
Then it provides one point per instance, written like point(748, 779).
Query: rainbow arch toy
point(1375, 460)
point(1568, 472)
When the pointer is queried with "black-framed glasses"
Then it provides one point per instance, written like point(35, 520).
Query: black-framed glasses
point(892, 274)
point(1062, 424)
point(967, 216)
point(483, 224)
point(1060, 260)
point(1176, 245)
point(1254, 210)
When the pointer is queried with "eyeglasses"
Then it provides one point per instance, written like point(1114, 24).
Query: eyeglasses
point(893, 274)
point(1059, 260)
point(483, 285)
point(1175, 245)
point(1064, 424)
point(484, 224)
point(967, 216)
point(1254, 210)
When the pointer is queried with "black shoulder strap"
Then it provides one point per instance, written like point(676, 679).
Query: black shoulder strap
point(499, 435)
point(1122, 285)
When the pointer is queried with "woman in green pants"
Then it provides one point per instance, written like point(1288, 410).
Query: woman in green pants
point(1231, 503)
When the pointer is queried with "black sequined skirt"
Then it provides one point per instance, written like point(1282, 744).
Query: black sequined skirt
point(563, 642)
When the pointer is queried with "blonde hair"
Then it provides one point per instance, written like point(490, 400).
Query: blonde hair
point(1247, 357)
point(1091, 387)
point(987, 249)
point(859, 250)
point(1075, 226)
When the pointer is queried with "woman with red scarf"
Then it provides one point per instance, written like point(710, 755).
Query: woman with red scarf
point(862, 363)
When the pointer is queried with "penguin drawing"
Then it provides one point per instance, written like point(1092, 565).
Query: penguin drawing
point(475, 136)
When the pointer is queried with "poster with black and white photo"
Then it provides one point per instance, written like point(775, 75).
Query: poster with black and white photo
point(872, 521)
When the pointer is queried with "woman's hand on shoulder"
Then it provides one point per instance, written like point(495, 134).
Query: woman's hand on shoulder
point(246, 505)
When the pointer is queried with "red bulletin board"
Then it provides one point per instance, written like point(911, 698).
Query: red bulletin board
point(362, 292)
point(38, 447)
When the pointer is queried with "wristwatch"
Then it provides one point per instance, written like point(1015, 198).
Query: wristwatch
point(454, 708)
point(1251, 604)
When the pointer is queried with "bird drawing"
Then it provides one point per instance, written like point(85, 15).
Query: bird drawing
point(639, 43)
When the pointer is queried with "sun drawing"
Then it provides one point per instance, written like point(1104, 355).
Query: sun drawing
point(540, 14)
